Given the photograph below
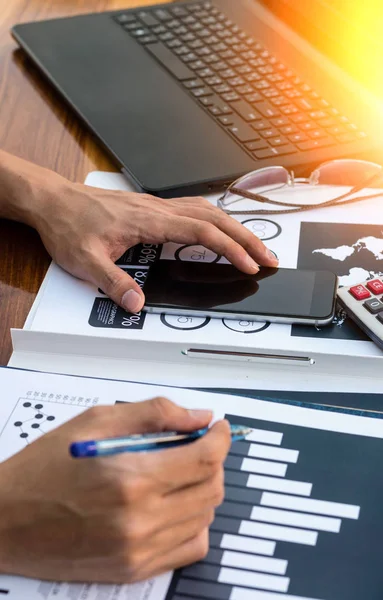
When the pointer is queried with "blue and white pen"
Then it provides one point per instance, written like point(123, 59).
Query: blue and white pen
point(146, 442)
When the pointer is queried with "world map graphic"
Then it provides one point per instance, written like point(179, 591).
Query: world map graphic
point(352, 251)
point(356, 274)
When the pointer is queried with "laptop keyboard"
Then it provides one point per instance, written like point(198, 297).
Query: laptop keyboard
point(260, 101)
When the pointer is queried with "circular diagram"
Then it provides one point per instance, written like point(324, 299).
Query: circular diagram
point(264, 229)
point(182, 322)
point(245, 326)
point(196, 254)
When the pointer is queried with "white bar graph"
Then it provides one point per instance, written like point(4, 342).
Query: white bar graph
point(245, 544)
point(282, 454)
point(279, 485)
point(239, 593)
point(254, 563)
point(288, 517)
point(321, 507)
point(267, 437)
point(257, 580)
point(263, 466)
point(278, 532)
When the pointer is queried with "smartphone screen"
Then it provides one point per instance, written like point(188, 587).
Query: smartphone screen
point(221, 288)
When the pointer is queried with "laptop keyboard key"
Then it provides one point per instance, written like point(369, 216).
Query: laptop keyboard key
point(166, 37)
point(317, 114)
point(132, 26)
point(243, 132)
point(140, 32)
point(230, 97)
point(267, 110)
point(260, 125)
point(175, 43)
point(257, 145)
point(269, 133)
point(316, 134)
point(123, 19)
point(206, 100)
point(314, 144)
point(305, 104)
point(199, 92)
point(298, 137)
point(220, 109)
point(171, 62)
point(308, 126)
point(246, 111)
point(267, 153)
point(193, 83)
point(163, 15)
point(272, 152)
point(222, 88)
point(254, 97)
point(147, 18)
point(147, 39)
point(178, 11)
point(278, 141)
point(286, 149)
point(280, 122)
point(289, 129)
point(226, 120)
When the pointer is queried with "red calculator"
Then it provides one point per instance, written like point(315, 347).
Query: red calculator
point(364, 304)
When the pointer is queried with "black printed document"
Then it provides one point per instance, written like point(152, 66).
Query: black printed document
point(302, 517)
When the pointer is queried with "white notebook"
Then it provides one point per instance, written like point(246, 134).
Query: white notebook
point(302, 514)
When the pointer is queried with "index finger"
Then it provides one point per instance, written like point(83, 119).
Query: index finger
point(231, 227)
point(189, 465)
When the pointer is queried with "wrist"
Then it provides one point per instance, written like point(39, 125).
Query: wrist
point(24, 189)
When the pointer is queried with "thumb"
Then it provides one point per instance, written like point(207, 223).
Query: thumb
point(118, 285)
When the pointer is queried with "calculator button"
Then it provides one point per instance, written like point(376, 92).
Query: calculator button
point(380, 318)
point(373, 305)
point(375, 286)
point(359, 292)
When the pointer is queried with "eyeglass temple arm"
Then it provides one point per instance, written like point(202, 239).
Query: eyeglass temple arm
point(260, 198)
point(305, 207)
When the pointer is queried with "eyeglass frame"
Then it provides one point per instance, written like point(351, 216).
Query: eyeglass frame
point(294, 207)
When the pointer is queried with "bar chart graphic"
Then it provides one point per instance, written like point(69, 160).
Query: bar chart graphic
point(302, 520)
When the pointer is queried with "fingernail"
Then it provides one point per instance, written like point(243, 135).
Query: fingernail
point(200, 414)
point(131, 301)
point(272, 256)
point(252, 264)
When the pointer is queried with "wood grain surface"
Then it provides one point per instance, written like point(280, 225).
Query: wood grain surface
point(37, 125)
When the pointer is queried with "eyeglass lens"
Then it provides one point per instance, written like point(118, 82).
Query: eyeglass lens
point(352, 173)
point(258, 182)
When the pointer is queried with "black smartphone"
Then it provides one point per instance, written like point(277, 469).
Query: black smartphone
point(221, 290)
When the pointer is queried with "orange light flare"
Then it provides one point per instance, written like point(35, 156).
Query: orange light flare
point(360, 39)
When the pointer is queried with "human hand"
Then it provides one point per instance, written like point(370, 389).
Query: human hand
point(86, 230)
point(115, 519)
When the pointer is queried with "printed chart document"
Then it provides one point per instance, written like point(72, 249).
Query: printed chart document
point(346, 240)
point(302, 517)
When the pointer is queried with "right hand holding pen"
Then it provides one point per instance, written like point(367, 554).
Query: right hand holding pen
point(117, 519)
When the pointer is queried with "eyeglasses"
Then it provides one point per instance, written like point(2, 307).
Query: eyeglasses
point(350, 176)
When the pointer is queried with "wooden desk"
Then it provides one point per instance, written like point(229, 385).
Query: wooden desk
point(37, 125)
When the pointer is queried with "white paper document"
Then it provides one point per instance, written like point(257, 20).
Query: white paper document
point(346, 240)
point(302, 512)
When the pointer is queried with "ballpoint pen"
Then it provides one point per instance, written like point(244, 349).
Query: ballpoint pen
point(146, 442)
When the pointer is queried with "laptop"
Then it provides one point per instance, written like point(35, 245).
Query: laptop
point(188, 96)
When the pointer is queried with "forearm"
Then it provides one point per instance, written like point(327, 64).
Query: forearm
point(22, 187)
